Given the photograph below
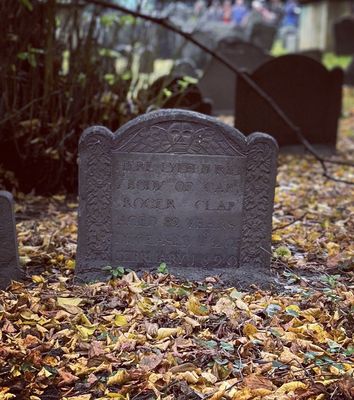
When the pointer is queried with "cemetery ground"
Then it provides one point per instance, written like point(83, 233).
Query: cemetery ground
point(154, 337)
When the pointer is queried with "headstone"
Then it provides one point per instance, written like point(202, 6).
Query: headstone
point(218, 81)
point(209, 35)
point(175, 92)
point(184, 67)
point(349, 74)
point(263, 35)
point(177, 187)
point(9, 261)
point(344, 36)
point(146, 61)
point(309, 94)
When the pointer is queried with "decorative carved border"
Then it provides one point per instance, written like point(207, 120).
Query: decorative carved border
point(95, 193)
point(258, 202)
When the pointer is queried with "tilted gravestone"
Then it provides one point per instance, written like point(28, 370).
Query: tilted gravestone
point(184, 67)
point(218, 82)
point(309, 94)
point(9, 261)
point(178, 187)
point(344, 36)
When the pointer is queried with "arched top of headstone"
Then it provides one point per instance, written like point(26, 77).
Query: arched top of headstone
point(290, 66)
point(173, 131)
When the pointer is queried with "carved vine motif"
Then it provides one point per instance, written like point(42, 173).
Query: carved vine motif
point(258, 198)
point(97, 170)
point(180, 138)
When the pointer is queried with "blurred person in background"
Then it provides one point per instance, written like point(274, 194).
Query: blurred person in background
point(215, 11)
point(227, 8)
point(239, 13)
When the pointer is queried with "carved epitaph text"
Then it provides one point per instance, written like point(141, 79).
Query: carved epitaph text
point(177, 187)
point(9, 262)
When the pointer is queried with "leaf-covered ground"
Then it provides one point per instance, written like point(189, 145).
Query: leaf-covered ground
point(154, 337)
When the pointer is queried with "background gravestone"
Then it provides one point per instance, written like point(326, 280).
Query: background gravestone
point(344, 36)
point(305, 90)
point(344, 44)
point(9, 261)
point(263, 35)
point(174, 92)
point(218, 82)
point(146, 61)
point(184, 67)
point(178, 187)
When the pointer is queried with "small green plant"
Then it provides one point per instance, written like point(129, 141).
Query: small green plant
point(162, 269)
point(116, 272)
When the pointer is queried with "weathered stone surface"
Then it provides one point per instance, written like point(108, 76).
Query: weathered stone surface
point(9, 261)
point(305, 90)
point(184, 67)
point(218, 82)
point(263, 35)
point(178, 187)
point(344, 36)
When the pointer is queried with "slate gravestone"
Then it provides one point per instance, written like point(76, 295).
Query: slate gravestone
point(344, 36)
point(178, 187)
point(9, 261)
point(305, 90)
point(349, 74)
point(184, 67)
point(175, 92)
point(218, 82)
point(146, 61)
point(263, 35)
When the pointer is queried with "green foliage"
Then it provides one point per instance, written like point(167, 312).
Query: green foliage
point(162, 269)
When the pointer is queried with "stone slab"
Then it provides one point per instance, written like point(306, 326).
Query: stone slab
point(218, 82)
point(178, 187)
point(309, 94)
point(344, 36)
point(9, 260)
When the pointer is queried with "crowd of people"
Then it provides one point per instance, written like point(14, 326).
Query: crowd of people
point(239, 13)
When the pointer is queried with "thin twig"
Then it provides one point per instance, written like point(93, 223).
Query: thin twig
point(290, 223)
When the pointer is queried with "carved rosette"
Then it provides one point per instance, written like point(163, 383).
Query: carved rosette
point(258, 201)
point(95, 176)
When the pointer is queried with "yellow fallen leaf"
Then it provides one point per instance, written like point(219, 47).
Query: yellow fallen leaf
point(291, 387)
point(38, 279)
point(276, 238)
point(241, 305)
point(188, 376)
point(249, 330)
point(120, 320)
point(70, 264)
point(194, 305)
point(209, 377)
point(85, 331)
point(118, 378)
point(68, 301)
point(287, 357)
point(4, 395)
point(192, 322)
point(163, 333)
